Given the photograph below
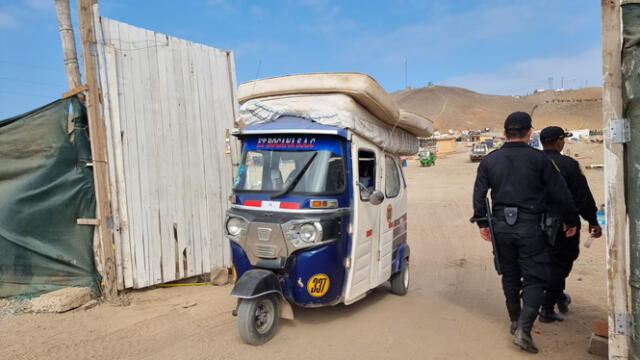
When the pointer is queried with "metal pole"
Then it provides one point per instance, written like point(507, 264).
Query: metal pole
point(68, 44)
point(631, 78)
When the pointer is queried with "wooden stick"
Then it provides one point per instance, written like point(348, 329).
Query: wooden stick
point(85, 221)
point(68, 44)
point(617, 243)
point(98, 135)
point(72, 92)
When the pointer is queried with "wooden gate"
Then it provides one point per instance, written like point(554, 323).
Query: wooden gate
point(168, 104)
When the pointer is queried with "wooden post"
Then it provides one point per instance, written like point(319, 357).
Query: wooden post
point(617, 244)
point(97, 131)
point(68, 44)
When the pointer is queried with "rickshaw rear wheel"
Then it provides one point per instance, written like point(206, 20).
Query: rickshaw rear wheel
point(258, 318)
point(400, 280)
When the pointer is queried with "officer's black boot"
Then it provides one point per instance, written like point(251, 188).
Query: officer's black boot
point(549, 315)
point(522, 335)
point(563, 303)
point(514, 314)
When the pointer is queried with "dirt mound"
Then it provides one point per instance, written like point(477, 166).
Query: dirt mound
point(457, 108)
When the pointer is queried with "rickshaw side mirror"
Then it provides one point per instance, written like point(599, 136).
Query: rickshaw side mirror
point(376, 197)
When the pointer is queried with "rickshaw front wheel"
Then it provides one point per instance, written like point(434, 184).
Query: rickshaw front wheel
point(400, 280)
point(258, 318)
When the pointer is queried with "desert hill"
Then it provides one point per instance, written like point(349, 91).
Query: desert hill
point(457, 108)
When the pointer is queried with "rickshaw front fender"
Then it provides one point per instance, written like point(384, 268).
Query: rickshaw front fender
point(259, 282)
point(255, 283)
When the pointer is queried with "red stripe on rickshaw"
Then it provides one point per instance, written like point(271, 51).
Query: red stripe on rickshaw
point(369, 232)
point(289, 205)
point(256, 203)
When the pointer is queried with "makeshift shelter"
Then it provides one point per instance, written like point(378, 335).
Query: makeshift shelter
point(46, 183)
point(445, 145)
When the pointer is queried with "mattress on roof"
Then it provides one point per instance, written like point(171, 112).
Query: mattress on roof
point(361, 87)
point(330, 109)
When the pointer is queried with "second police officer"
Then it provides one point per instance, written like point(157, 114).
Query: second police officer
point(565, 249)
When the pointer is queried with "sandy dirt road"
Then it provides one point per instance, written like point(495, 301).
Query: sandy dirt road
point(454, 309)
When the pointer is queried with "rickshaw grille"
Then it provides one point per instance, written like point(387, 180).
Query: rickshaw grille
point(265, 251)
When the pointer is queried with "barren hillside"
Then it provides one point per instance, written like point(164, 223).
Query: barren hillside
point(457, 108)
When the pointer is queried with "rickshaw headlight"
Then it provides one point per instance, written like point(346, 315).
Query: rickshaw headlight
point(303, 233)
point(235, 226)
point(308, 233)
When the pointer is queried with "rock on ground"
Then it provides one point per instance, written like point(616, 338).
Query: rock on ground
point(599, 345)
point(61, 300)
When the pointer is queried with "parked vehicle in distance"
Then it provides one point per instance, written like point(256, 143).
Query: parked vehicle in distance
point(478, 152)
point(427, 158)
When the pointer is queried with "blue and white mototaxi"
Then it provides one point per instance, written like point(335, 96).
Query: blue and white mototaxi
point(318, 217)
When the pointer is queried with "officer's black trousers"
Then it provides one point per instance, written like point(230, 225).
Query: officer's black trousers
point(564, 252)
point(524, 261)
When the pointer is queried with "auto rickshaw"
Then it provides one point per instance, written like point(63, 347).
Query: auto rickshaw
point(318, 214)
point(426, 158)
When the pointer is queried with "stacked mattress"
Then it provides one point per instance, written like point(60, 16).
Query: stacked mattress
point(348, 100)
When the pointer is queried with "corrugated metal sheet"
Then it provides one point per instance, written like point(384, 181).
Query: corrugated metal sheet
point(168, 104)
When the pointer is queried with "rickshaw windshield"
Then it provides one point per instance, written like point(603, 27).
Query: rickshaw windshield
point(299, 165)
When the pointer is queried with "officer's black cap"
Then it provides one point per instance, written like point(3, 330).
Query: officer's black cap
point(518, 121)
point(553, 133)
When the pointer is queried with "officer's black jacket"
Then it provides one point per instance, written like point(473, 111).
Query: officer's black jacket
point(520, 176)
point(577, 183)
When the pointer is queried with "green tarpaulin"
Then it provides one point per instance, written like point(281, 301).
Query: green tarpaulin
point(45, 185)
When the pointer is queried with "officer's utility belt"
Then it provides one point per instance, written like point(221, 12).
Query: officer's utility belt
point(512, 215)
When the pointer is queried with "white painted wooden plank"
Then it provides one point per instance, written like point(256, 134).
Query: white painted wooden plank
point(235, 145)
point(208, 136)
point(184, 218)
point(218, 148)
point(176, 111)
point(107, 114)
point(194, 166)
point(200, 124)
point(167, 169)
point(186, 140)
point(195, 158)
point(209, 164)
point(132, 112)
point(200, 206)
point(224, 120)
point(138, 160)
point(220, 197)
point(207, 93)
point(142, 87)
point(113, 66)
point(153, 126)
point(121, 78)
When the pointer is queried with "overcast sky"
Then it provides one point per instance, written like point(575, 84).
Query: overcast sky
point(489, 46)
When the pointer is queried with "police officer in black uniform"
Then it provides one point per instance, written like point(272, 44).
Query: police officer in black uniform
point(520, 177)
point(565, 249)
